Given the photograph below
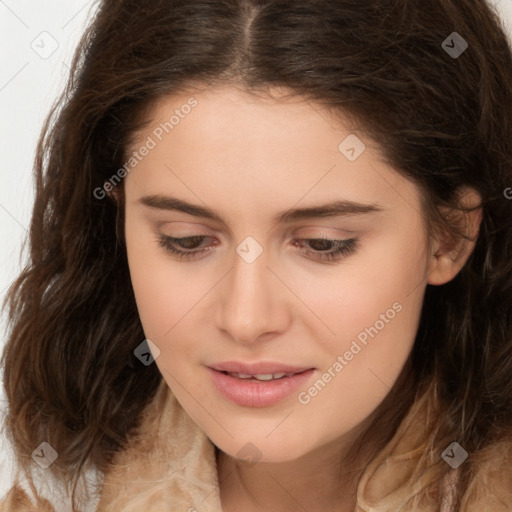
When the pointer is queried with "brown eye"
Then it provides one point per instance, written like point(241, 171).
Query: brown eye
point(320, 244)
point(338, 248)
point(184, 247)
point(189, 242)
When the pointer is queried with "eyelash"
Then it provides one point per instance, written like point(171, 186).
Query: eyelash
point(343, 248)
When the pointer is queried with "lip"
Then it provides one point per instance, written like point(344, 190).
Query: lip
point(250, 393)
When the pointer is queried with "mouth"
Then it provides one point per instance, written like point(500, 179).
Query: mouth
point(260, 368)
point(258, 385)
point(263, 377)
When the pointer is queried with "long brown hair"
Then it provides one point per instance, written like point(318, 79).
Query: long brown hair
point(442, 120)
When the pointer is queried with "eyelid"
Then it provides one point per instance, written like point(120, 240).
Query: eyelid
point(342, 248)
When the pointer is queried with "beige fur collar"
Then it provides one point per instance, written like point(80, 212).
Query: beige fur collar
point(171, 466)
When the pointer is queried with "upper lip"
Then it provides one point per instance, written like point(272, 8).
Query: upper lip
point(257, 368)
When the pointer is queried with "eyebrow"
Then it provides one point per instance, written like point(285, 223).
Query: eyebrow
point(331, 209)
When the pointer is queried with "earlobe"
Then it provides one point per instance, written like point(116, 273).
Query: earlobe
point(450, 253)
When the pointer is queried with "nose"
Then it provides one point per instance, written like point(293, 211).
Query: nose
point(252, 302)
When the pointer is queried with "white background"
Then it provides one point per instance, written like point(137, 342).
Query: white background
point(29, 83)
point(30, 80)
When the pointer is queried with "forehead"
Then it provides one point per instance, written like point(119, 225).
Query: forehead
point(223, 113)
point(259, 150)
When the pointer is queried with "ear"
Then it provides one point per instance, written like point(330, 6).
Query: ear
point(449, 254)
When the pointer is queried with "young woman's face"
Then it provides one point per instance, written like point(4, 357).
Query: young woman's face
point(256, 183)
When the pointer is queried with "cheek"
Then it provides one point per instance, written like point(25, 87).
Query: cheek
point(376, 322)
point(170, 297)
point(372, 307)
point(357, 376)
point(367, 288)
point(161, 291)
point(164, 300)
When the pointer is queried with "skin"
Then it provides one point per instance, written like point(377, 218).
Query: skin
point(236, 153)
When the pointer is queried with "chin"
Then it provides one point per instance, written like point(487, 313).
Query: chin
point(252, 452)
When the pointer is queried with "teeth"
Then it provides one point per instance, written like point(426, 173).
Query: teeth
point(264, 376)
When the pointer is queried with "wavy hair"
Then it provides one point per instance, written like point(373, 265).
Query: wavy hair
point(442, 121)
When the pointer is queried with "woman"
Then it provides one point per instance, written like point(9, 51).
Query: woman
point(271, 264)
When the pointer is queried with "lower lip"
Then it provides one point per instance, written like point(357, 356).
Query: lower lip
point(250, 393)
